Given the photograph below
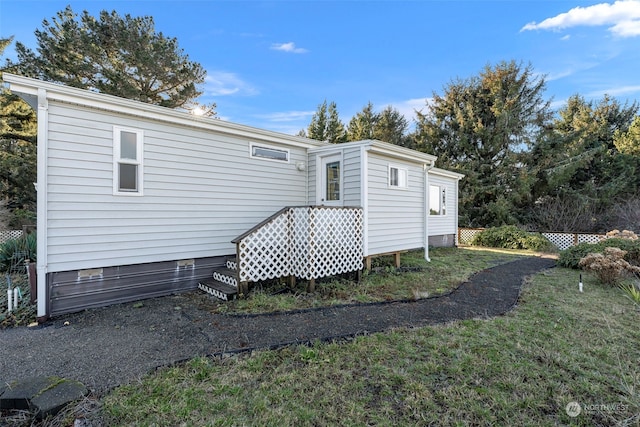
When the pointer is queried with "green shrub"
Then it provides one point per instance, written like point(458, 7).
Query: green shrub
point(511, 237)
point(13, 252)
point(570, 258)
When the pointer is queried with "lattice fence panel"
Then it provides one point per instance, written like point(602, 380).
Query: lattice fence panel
point(300, 241)
point(264, 254)
point(9, 234)
point(466, 235)
point(335, 242)
point(590, 238)
point(307, 242)
point(561, 240)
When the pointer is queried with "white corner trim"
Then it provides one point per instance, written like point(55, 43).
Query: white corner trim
point(364, 197)
point(42, 201)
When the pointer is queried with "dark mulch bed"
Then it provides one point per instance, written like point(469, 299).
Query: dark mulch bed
point(103, 348)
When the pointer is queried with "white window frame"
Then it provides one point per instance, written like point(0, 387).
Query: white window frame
point(401, 184)
point(117, 160)
point(442, 199)
point(268, 147)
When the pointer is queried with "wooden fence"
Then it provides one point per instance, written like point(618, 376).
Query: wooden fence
point(561, 240)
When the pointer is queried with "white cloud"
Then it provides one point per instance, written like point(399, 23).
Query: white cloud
point(222, 83)
point(557, 75)
point(616, 91)
point(287, 116)
point(622, 18)
point(629, 28)
point(288, 47)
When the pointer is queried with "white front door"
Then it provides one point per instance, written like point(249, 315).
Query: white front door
point(330, 181)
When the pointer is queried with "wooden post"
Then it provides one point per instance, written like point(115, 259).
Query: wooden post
point(243, 288)
point(33, 283)
point(311, 286)
point(396, 259)
point(292, 281)
point(367, 263)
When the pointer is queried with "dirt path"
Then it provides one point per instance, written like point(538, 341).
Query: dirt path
point(103, 348)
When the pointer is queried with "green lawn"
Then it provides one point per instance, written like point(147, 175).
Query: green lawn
point(558, 346)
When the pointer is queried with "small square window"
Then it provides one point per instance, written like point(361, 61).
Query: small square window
point(398, 177)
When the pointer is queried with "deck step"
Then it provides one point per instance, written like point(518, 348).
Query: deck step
point(218, 289)
point(226, 275)
point(232, 263)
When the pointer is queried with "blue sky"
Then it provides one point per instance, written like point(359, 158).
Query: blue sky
point(271, 63)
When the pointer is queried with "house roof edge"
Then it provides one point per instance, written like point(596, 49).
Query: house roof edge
point(62, 93)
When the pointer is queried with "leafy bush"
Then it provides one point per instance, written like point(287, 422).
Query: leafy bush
point(609, 267)
point(570, 258)
point(511, 237)
point(13, 252)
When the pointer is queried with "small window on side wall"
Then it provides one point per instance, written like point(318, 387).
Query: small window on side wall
point(398, 177)
point(437, 200)
point(127, 161)
point(269, 153)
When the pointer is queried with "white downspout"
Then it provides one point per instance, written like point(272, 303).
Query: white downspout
point(455, 238)
point(427, 168)
point(42, 196)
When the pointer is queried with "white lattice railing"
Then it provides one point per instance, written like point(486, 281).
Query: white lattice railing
point(9, 234)
point(561, 240)
point(306, 242)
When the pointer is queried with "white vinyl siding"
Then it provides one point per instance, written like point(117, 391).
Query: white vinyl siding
point(396, 218)
point(201, 190)
point(444, 224)
point(351, 176)
point(312, 180)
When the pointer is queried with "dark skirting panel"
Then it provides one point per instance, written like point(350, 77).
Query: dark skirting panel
point(76, 290)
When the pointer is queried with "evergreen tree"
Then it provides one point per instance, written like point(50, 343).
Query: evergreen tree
point(628, 142)
point(578, 168)
point(481, 127)
point(326, 125)
point(122, 56)
point(388, 126)
point(362, 125)
point(391, 126)
point(18, 151)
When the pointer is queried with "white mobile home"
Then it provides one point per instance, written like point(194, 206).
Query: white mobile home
point(136, 200)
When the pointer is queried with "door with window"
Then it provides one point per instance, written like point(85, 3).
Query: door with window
point(330, 183)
